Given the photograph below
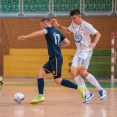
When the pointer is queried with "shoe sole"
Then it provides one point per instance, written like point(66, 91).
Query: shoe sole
point(103, 99)
point(88, 100)
point(36, 102)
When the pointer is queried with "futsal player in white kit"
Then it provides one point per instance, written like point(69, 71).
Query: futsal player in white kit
point(81, 31)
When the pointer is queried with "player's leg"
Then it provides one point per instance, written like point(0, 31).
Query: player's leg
point(78, 79)
point(56, 66)
point(40, 84)
point(69, 84)
point(93, 81)
point(75, 74)
point(85, 62)
point(88, 95)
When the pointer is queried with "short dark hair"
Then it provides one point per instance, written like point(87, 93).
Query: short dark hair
point(45, 19)
point(75, 12)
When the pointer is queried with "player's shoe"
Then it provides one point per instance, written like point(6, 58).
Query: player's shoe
point(88, 97)
point(102, 94)
point(1, 81)
point(81, 91)
point(38, 99)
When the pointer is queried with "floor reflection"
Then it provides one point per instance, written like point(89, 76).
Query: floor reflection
point(90, 111)
point(19, 110)
point(1, 92)
point(39, 112)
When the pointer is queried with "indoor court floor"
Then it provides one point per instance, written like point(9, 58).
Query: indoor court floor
point(59, 101)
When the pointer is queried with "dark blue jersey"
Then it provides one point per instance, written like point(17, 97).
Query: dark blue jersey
point(53, 39)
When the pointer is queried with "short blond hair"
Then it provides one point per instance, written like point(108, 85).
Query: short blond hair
point(45, 19)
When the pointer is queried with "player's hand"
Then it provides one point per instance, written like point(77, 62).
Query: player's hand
point(22, 37)
point(54, 22)
point(92, 45)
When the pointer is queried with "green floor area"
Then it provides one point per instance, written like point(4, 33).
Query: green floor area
point(49, 83)
point(103, 84)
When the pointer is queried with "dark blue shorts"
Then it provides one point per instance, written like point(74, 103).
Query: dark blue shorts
point(54, 66)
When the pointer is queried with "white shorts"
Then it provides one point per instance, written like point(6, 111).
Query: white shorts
point(81, 60)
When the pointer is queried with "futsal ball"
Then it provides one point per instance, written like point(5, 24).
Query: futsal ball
point(19, 97)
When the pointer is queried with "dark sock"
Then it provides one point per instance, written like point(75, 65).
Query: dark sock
point(69, 84)
point(40, 83)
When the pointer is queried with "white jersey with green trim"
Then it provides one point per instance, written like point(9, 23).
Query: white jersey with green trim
point(82, 35)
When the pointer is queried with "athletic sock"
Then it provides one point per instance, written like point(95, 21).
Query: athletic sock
point(79, 80)
point(69, 84)
point(40, 83)
point(93, 81)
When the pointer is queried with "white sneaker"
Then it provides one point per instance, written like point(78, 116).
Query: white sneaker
point(88, 97)
point(102, 94)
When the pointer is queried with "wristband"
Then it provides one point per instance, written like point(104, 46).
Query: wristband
point(59, 26)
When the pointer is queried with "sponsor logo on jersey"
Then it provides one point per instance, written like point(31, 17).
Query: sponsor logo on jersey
point(77, 37)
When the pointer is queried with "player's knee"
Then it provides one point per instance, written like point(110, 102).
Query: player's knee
point(58, 81)
point(73, 73)
point(84, 73)
point(41, 73)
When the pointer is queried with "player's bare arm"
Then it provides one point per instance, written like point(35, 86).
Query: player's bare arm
point(34, 34)
point(65, 43)
point(65, 29)
point(97, 37)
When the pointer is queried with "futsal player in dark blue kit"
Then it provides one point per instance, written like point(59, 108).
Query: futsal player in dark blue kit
point(55, 40)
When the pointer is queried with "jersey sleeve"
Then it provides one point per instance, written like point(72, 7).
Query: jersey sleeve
point(91, 29)
point(62, 37)
point(45, 31)
point(71, 27)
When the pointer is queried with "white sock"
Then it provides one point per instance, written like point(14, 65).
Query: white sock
point(93, 81)
point(80, 81)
